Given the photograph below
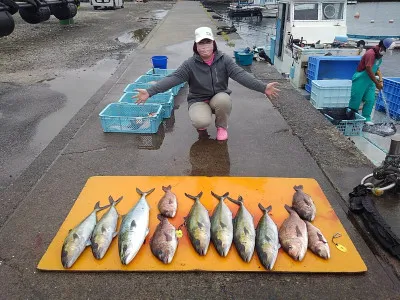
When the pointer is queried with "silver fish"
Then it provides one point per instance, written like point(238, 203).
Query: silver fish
point(134, 229)
point(293, 235)
point(198, 225)
point(267, 241)
point(105, 230)
point(164, 242)
point(244, 234)
point(222, 226)
point(303, 204)
point(317, 243)
point(78, 238)
point(168, 203)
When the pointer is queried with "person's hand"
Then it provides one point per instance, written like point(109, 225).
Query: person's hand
point(379, 86)
point(142, 96)
point(271, 91)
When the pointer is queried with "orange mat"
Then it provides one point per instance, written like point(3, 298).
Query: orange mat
point(268, 191)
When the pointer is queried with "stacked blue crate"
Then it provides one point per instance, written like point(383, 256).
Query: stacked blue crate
point(391, 90)
point(166, 100)
point(330, 67)
point(163, 73)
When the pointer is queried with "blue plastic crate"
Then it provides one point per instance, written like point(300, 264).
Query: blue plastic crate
point(347, 127)
point(166, 100)
point(308, 88)
point(332, 67)
point(131, 118)
point(330, 93)
point(391, 90)
point(163, 73)
point(155, 78)
point(131, 88)
point(157, 71)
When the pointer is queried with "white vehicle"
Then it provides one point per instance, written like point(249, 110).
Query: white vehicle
point(107, 3)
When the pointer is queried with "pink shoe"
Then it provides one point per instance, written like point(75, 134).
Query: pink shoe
point(222, 134)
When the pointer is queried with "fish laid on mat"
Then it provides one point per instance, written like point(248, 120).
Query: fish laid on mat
point(78, 238)
point(198, 225)
point(244, 234)
point(168, 203)
point(267, 241)
point(222, 226)
point(105, 230)
point(293, 235)
point(303, 204)
point(317, 243)
point(134, 229)
point(164, 242)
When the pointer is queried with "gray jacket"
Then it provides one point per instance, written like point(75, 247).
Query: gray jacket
point(205, 81)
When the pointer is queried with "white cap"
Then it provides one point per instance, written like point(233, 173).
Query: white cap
point(203, 33)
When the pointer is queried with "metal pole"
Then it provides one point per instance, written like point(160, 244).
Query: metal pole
point(395, 145)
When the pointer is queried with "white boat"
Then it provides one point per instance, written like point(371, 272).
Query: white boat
point(307, 28)
point(244, 8)
point(270, 8)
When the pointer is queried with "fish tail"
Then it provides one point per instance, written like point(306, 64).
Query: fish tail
point(220, 198)
point(239, 201)
point(194, 197)
point(289, 209)
point(144, 193)
point(298, 187)
point(97, 207)
point(265, 210)
point(118, 200)
point(166, 188)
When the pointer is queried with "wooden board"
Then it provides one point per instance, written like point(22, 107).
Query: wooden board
point(268, 191)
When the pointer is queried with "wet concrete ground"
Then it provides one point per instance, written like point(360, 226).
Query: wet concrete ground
point(264, 141)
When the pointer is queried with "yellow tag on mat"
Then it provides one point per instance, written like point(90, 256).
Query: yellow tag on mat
point(179, 233)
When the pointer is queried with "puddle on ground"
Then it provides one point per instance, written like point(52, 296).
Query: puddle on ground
point(78, 86)
point(160, 14)
point(136, 36)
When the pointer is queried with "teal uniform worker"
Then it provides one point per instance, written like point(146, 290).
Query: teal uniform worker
point(364, 80)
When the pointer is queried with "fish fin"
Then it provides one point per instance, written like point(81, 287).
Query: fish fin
point(298, 232)
point(200, 225)
point(321, 238)
point(222, 225)
point(267, 238)
point(103, 229)
point(199, 195)
point(237, 202)
point(298, 187)
point(111, 200)
point(75, 236)
point(168, 237)
point(246, 232)
point(139, 191)
point(133, 223)
point(118, 200)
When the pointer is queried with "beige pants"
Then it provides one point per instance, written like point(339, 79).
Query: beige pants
point(200, 113)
